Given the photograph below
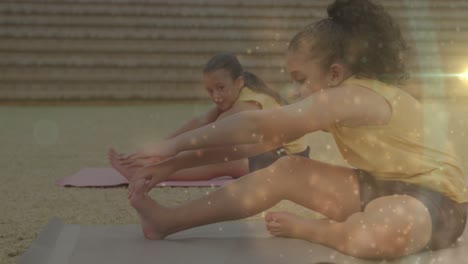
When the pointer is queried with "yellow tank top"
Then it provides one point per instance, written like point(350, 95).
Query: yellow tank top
point(268, 102)
point(406, 148)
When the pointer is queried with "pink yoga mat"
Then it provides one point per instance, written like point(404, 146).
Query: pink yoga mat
point(108, 177)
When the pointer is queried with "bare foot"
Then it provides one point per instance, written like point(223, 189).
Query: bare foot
point(152, 215)
point(285, 224)
point(116, 163)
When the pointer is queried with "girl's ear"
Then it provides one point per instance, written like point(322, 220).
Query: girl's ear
point(338, 73)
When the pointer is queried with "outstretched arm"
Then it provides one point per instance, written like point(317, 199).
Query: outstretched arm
point(160, 171)
point(268, 127)
point(196, 122)
point(146, 151)
point(153, 150)
point(347, 105)
point(194, 158)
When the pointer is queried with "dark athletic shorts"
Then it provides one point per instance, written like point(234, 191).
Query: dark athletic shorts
point(266, 159)
point(448, 217)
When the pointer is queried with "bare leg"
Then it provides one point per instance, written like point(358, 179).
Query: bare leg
point(150, 213)
point(389, 227)
point(328, 189)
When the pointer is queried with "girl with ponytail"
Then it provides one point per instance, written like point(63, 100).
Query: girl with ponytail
point(232, 90)
point(401, 191)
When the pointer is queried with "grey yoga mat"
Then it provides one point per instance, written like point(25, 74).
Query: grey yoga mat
point(228, 242)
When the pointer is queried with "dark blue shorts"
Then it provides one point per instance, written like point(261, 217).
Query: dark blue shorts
point(448, 217)
point(266, 159)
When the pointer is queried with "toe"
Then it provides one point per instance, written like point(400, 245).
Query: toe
point(273, 225)
point(270, 217)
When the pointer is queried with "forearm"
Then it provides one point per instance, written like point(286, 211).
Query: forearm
point(271, 127)
point(195, 158)
point(190, 125)
point(224, 132)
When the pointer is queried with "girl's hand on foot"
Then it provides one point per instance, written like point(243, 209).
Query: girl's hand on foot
point(152, 175)
point(139, 161)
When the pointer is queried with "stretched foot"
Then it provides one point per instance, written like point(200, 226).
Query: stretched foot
point(116, 163)
point(152, 215)
point(283, 224)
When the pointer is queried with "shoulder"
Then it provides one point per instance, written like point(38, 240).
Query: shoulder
point(347, 104)
point(264, 101)
point(245, 94)
point(246, 105)
point(240, 106)
point(351, 105)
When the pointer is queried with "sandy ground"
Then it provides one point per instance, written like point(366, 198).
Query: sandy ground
point(40, 144)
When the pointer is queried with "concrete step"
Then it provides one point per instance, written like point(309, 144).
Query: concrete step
point(424, 62)
point(145, 74)
point(142, 33)
point(157, 10)
point(88, 59)
point(440, 88)
point(167, 74)
point(126, 60)
point(404, 9)
point(197, 22)
point(156, 48)
point(105, 46)
point(101, 90)
point(257, 3)
point(205, 47)
point(63, 32)
point(151, 21)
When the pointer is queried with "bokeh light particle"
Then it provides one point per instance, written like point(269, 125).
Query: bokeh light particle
point(463, 76)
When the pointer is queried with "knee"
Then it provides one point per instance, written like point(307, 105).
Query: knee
point(386, 232)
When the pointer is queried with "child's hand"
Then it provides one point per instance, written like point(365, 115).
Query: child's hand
point(152, 175)
point(139, 161)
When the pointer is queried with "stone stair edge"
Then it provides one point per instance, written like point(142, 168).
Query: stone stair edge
point(212, 11)
point(196, 22)
point(300, 3)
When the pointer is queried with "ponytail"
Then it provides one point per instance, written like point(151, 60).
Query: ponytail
point(258, 85)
